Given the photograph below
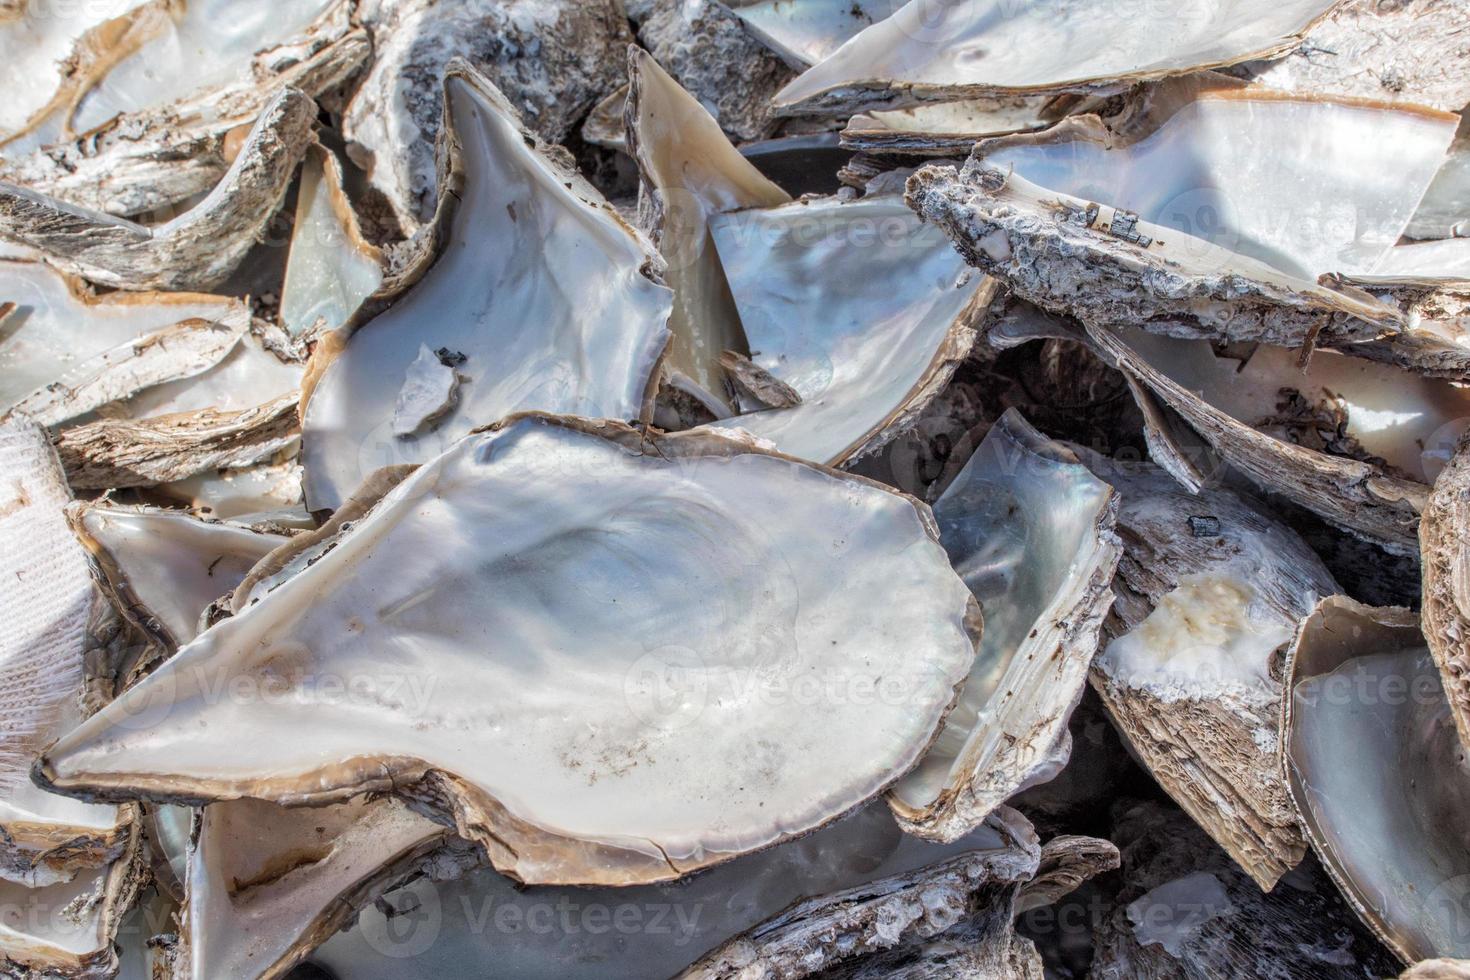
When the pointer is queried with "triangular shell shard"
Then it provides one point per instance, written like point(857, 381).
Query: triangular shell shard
point(690, 173)
point(697, 562)
point(196, 250)
point(331, 269)
point(542, 294)
point(858, 306)
point(1295, 183)
point(1209, 589)
point(1031, 532)
point(552, 58)
point(930, 52)
point(804, 32)
point(713, 55)
point(1372, 755)
point(1109, 266)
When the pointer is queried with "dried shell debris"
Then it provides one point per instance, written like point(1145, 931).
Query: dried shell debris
point(494, 541)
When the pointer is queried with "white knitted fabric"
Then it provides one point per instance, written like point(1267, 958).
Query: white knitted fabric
point(45, 594)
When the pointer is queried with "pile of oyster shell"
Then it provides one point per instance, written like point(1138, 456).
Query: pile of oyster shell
point(794, 488)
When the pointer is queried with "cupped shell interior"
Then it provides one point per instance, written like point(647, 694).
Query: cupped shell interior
point(634, 625)
point(541, 288)
point(1379, 773)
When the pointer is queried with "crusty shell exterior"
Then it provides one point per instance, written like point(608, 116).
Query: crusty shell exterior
point(1444, 550)
point(150, 160)
point(196, 250)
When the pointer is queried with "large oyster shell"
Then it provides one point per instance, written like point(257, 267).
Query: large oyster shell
point(970, 48)
point(1296, 183)
point(1031, 532)
point(1107, 266)
point(570, 319)
point(606, 809)
point(1210, 588)
point(1372, 755)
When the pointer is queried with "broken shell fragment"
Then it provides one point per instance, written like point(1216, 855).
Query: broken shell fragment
point(984, 48)
point(690, 172)
point(549, 295)
point(67, 929)
point(1210, 588)
point(196, 250)
point(1351, 489)
point(152, 155)
point(430, 388)
point(821, 933)
point(945, 128)
point(163, 568)
point(1106, 266)
point(181, 351)
point(114, 453)
point(1031, 532)
point(607, 805)
point(268, 884)
point(56, 324)
point(856, 305)
point(754, 384)
point(1291, 182)
point(331, 269)
point(1372, 754)
point(1399, 52)
point(1444, 211)
point(393, 121)
point(714, 56)
point(1436, 339)
point(144, 59)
